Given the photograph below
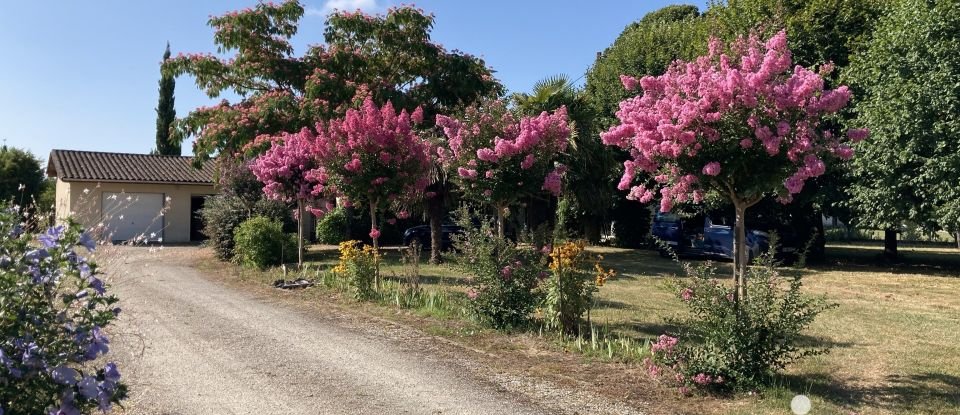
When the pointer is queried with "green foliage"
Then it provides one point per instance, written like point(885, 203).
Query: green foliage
point(819, 31)
point(723, 347)
point(20, 176)
point(222, 214)
point(260, 242)
point(505, 273)
point(645, 48)
point(671, 13)
point(166, 113)
point(908, 83)
point(333, 227)
point(590, 177)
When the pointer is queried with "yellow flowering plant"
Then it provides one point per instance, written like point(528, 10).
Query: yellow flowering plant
point(358, 265)
point(569, 289)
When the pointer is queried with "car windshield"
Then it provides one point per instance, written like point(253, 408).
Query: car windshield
point(667, 217)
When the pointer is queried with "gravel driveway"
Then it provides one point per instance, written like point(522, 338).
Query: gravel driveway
point(189, 345)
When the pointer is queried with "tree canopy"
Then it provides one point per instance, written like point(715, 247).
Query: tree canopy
point(20, 175)
point(385, 57)
point(909, 79)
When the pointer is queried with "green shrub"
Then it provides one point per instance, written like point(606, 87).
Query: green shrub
point(333, 226)
point(506, 274)
point(260, 242)
point(222, 214)
point(722, 346)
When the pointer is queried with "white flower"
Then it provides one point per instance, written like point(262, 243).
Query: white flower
point(169, 198)
point(22, 186)
point(86, 191)
point(153, 235)
point(121, 217)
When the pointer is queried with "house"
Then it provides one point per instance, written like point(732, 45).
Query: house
point(131, 196)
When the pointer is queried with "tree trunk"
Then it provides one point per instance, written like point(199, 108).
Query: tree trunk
point(890, 244)
point(591, 229)
point(435, 211)
point(956, 237)
point(300, 214)
point(740, 252)
point(376, 244)
point(501, 225)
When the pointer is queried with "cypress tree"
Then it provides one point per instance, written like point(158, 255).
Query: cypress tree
point(166, 113)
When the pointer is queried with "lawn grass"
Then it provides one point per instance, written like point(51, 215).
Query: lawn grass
point(895, 336)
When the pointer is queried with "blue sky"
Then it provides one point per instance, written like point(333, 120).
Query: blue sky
point(83, 74)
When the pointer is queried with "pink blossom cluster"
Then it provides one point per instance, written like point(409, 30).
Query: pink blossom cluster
point(686, 294)
point(289, 169)
point(664, 344)
point(680, 127)
point(374, 155)
point(498, 158)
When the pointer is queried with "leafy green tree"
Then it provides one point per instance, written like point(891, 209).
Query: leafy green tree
point(590, 177)
point(20, 176)
point(646, 47)
point(671, 13)
point(909, 82)
point(166, 113)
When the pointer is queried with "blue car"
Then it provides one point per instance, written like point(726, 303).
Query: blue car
point(700, 236)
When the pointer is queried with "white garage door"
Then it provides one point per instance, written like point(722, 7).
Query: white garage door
point(133, 216)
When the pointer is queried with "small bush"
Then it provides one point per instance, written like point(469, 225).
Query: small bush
point(260, 242)
point(358, 265)
point(333, 227)
point(55, 311)
point(506, 274)
point(222, 214)
point(570, 288)
point(723, 346)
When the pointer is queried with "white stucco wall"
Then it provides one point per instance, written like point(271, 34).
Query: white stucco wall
point(83, 201)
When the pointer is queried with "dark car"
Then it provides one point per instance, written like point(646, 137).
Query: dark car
point(421, 235)
point(700, 236)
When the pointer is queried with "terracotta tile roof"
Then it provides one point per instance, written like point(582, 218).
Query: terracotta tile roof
point(92, 166)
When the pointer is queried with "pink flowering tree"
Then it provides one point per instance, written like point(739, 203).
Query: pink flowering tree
point(743, 123)
point(497, 159)
point(374, 157)
point(291, 172)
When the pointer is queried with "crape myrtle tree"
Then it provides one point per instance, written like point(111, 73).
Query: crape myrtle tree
point(290, 172)
point(374, 157)
point(499, 159)
point(909, 82)
point(821, 31)
point(385, 57)
point(742, 123)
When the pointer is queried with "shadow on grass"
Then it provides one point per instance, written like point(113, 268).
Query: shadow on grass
point(943, 262)
point(918, 393)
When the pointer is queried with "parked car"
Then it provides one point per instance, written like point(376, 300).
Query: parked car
point(421, 235)
point(700, 236)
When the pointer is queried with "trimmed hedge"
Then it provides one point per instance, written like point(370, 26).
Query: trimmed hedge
point(260, 242)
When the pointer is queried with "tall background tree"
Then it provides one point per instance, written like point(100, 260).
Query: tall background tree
point(166, 113)
point(909, 82)
point(21, 176)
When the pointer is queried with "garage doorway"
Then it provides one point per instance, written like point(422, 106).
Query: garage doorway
point(196, 221)
point(133, 216)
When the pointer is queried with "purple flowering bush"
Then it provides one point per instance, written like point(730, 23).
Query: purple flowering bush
point(506, 274)
point(724, 346)
point(53, 312)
